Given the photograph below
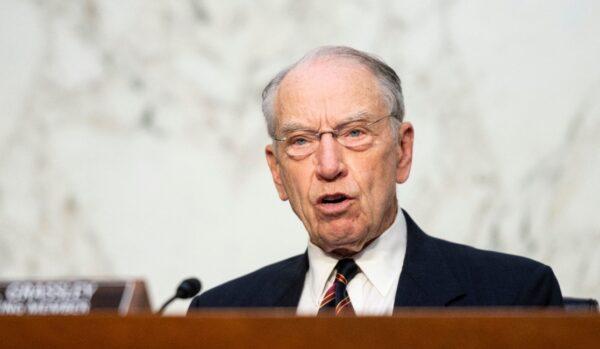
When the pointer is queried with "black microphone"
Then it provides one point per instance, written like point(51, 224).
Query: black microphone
point(188, 288)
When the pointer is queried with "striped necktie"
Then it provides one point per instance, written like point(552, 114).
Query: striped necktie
point(337, 296)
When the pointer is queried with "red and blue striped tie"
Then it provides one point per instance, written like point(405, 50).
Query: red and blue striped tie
point(337, 295)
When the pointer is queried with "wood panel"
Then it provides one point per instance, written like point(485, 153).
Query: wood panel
point(279, 329)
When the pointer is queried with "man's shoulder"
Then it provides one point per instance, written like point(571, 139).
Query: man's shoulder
point(255, 289)
point(465, 255)
point(508, 279)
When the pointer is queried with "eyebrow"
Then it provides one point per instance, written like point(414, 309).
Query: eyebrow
point(292, 126)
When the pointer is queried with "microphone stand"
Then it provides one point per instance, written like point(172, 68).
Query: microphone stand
point(164, 306)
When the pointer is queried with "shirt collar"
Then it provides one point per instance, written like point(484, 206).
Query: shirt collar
point(381, 261)
point(321, 266)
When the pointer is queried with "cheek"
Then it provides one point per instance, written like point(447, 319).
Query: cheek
point(376, 180)
point(297, 184)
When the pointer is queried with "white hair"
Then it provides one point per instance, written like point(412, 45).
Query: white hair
point(385, 75)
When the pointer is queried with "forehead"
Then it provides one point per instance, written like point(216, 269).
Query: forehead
point(326, 91)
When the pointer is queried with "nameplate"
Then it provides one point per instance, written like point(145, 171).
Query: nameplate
point(72, 297)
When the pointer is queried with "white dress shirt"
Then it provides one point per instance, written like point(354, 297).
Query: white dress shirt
point(372, 291)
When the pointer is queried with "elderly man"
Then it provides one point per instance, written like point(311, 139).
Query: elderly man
point(339, 148)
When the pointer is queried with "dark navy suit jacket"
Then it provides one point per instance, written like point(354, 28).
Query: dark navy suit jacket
point(436, 273)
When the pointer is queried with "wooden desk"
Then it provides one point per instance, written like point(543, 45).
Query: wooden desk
point(411, 329)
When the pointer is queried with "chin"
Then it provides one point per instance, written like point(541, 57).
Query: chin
point(344, 244)
point(342, 236)
point(345, 251)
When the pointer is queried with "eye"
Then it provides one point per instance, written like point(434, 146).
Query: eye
point(354, 136)
point(299, 141)
point(354, 133)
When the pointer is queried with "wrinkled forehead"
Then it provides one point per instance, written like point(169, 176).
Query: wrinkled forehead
point(327, 91)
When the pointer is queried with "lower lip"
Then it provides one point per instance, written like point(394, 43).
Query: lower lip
point(334, 209)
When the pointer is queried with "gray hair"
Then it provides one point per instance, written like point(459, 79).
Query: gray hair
point(385, 75)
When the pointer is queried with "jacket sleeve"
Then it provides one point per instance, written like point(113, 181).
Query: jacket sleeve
point(540, 289)
point(194, 304)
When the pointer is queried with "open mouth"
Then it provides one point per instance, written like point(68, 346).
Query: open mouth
point(334, 205)
point(333, 199)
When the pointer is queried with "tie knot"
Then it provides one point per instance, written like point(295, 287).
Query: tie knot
point(347, 267)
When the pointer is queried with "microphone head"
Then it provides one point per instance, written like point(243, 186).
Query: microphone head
point(188, 288)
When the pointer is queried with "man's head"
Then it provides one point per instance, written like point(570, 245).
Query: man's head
point(339, 145)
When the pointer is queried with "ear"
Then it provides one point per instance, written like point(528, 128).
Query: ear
point(275, 171)
point(406, 136)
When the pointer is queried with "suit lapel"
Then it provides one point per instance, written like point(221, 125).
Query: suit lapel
point(292, 279)
point(426, 279)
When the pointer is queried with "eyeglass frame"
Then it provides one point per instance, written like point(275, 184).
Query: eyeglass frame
point(334, 133)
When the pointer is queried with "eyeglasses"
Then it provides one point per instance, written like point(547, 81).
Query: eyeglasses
point(356, 135)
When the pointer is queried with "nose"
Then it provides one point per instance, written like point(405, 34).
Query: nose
point(329, 158)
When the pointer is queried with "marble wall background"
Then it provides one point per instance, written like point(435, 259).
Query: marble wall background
point(131, 138)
